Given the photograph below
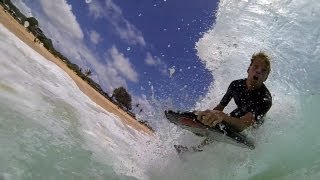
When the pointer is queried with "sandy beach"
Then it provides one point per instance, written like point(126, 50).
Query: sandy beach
point(11, 24)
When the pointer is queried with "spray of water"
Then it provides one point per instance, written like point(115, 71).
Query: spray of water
point(286, 145)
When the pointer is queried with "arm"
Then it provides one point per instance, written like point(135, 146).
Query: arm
point(219, 107)
point(241, 123)
point(226, 98)
point(258, 110)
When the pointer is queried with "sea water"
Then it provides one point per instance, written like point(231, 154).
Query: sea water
point(50, 130)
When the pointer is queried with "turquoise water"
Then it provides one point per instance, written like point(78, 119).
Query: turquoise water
point(50, 130)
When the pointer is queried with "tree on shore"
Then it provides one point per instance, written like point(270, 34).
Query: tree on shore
point(47, 43)
point(33, 22)
point(122, 97)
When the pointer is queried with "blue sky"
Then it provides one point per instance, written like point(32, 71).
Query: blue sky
point(132, 43)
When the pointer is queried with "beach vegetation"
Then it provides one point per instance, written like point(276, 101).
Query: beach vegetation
point(47, 43)
point(122, 97)
point(145, 123)
point(32, 21)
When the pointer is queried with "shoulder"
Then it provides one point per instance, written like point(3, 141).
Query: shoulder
point(265, 95)
point(238, 83)
point(266, 92)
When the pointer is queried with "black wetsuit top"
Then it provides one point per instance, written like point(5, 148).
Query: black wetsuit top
point(257, 101)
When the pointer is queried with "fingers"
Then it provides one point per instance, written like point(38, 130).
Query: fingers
point(200, 115)
point(214, 123)
point(207, 118)
point(204, 117)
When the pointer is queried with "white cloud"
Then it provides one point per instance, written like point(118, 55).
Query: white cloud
point(56, 13)
point(109, 76)
point(144, 104)
point(96, 10)
point(156, 61)
point(22, 7)
point(150, 60)
point(123, 27)
point(122, 64)
point(95, 37)
point(114, 72)
point(59, 24)
point(60, 15)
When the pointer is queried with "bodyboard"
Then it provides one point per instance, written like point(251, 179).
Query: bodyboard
point(222, 132)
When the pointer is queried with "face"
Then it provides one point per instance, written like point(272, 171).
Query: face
point(257, 72)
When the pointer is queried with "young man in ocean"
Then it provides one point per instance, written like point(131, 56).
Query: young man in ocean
point(251, 96)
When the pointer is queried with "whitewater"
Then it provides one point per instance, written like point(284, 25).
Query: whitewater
point(50, 130)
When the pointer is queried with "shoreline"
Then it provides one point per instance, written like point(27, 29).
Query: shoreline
point(20, 31)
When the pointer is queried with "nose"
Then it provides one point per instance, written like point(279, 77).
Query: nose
point(258, 70)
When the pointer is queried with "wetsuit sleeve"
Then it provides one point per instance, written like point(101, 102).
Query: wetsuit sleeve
point(228, 96)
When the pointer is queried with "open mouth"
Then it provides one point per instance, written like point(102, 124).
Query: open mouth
point(255, 77)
